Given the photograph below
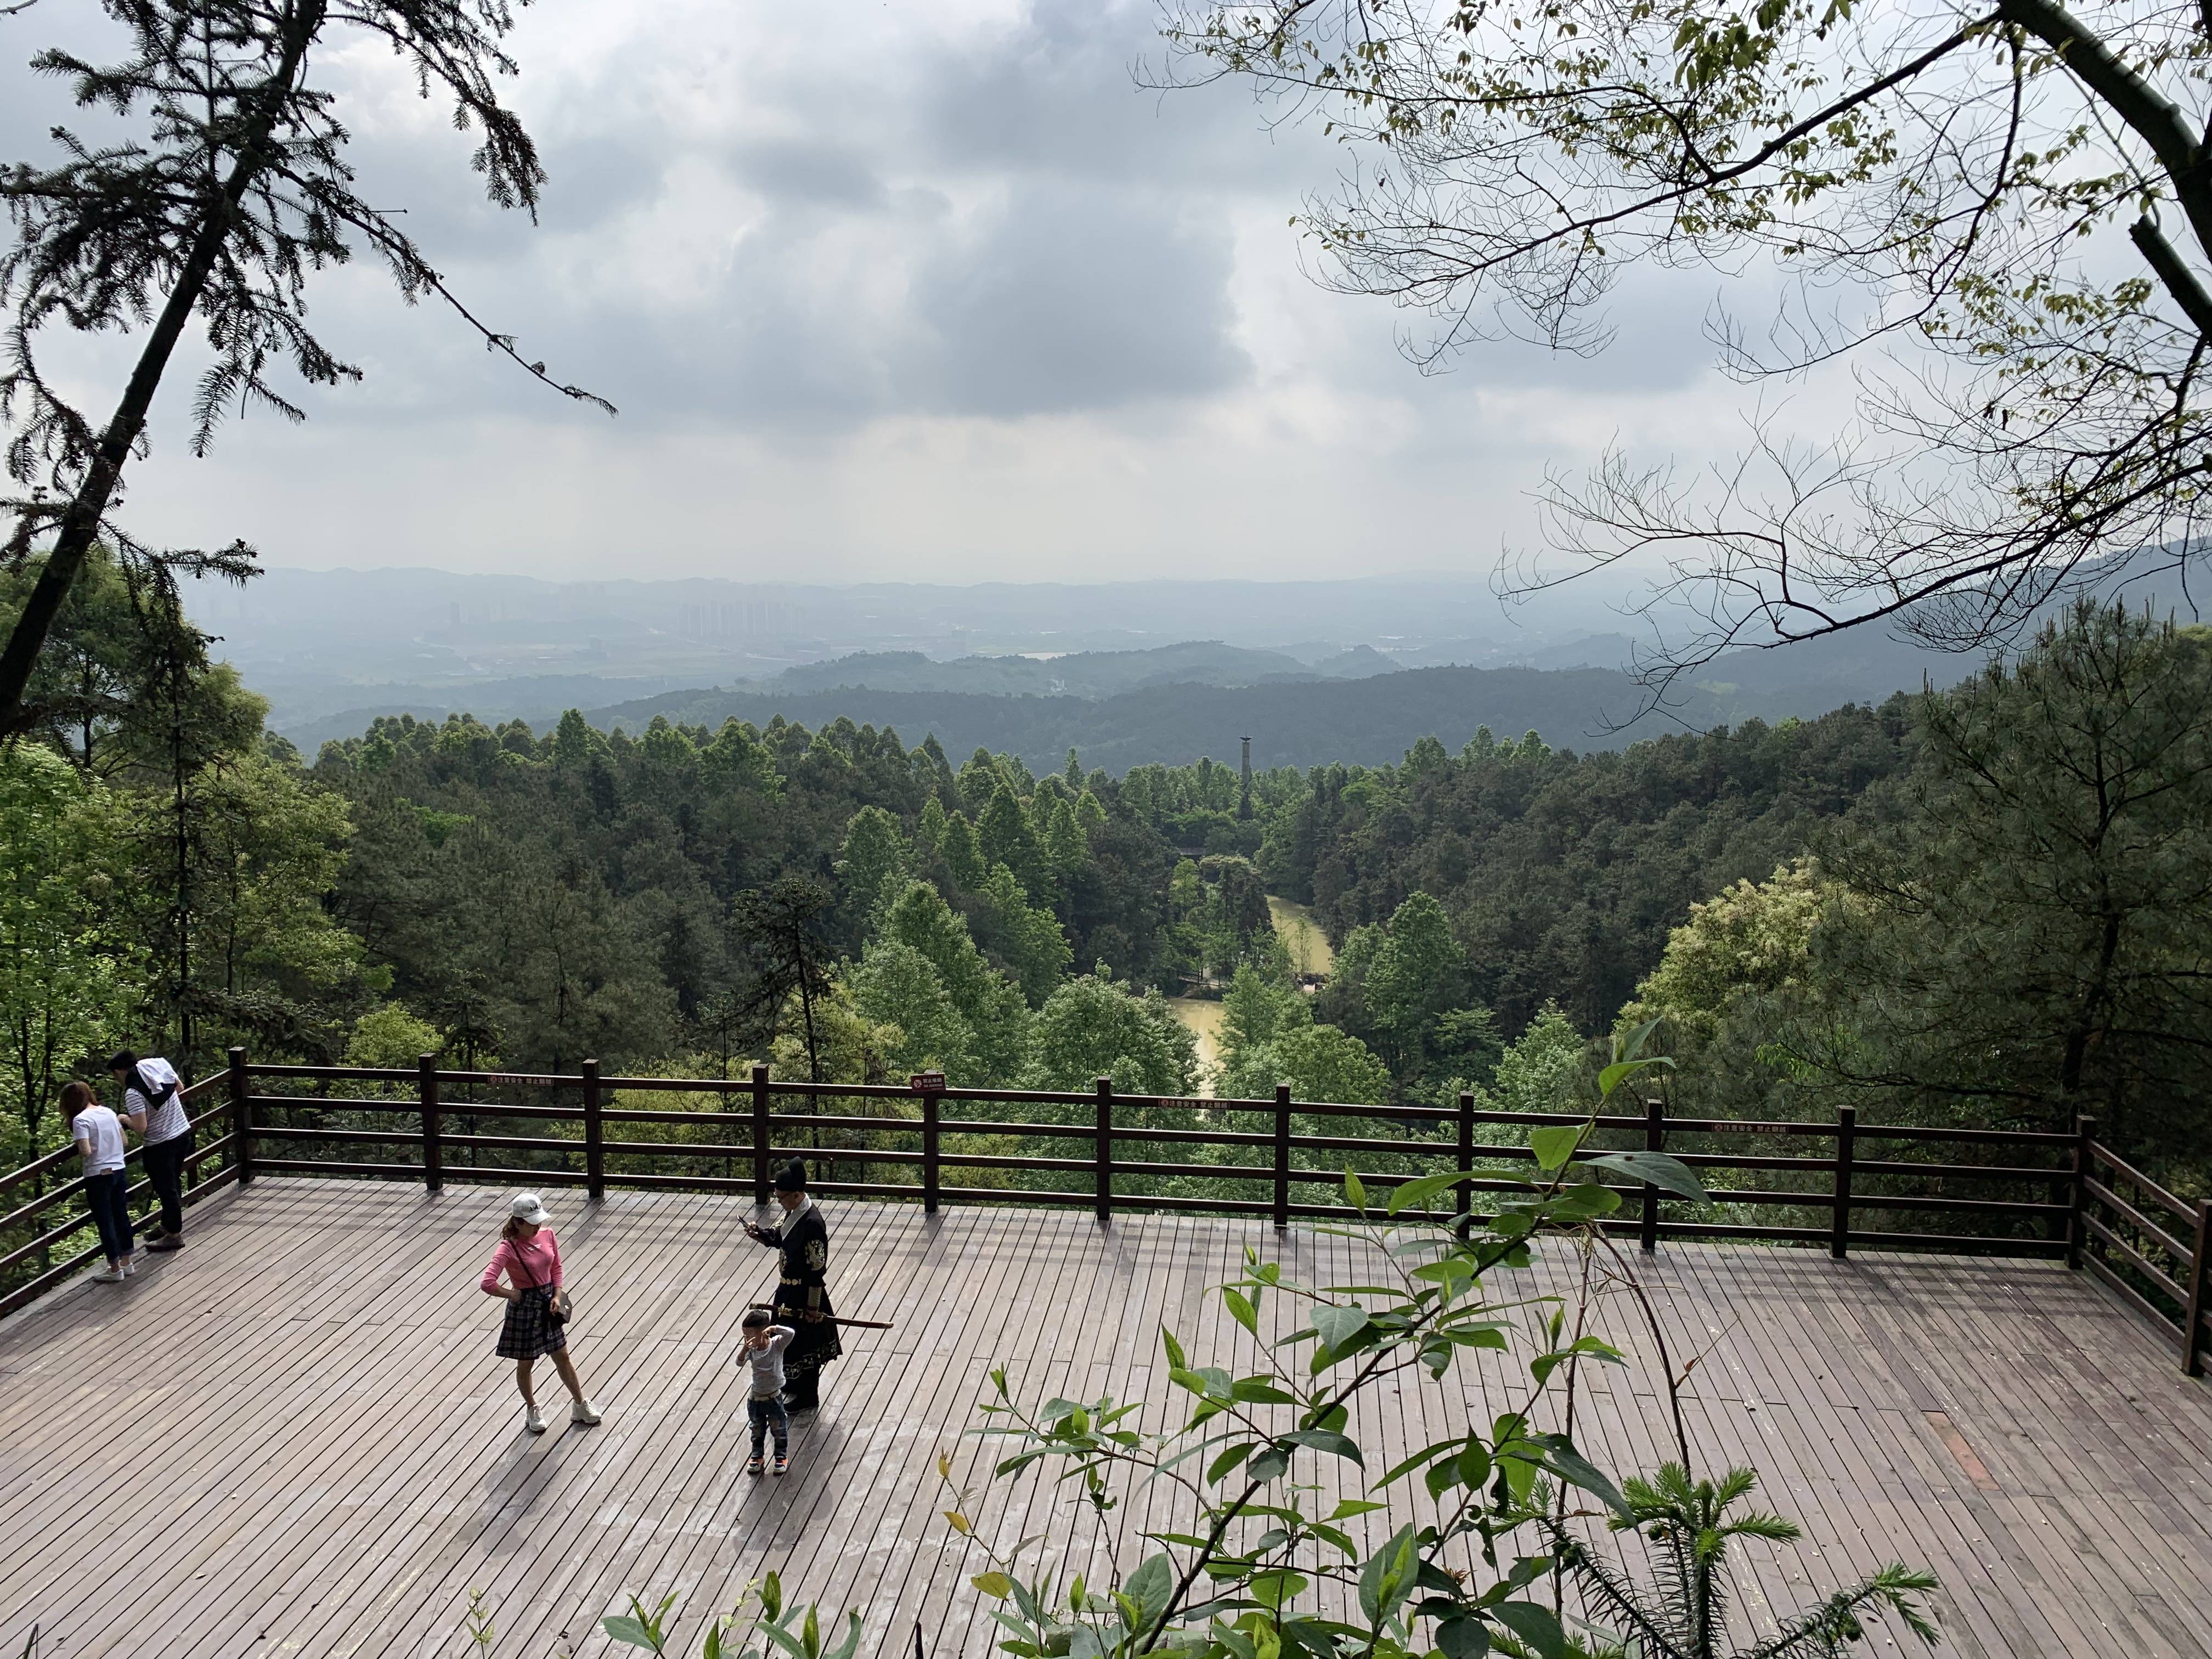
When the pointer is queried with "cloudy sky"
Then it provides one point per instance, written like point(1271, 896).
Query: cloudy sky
point(931, 290)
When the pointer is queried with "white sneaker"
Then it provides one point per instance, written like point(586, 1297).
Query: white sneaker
point(584, 1412)
point(534, 1421)
point(108, 1276)
point(129, 1266)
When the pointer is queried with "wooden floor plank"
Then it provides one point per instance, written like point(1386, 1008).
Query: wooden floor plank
point(299, 1424)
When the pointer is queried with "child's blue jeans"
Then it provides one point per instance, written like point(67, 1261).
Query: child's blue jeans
point(769, 1413)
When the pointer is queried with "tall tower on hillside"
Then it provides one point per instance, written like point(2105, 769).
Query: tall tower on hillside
point(1244, 802)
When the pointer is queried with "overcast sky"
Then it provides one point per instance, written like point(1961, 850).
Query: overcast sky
point(921, 290)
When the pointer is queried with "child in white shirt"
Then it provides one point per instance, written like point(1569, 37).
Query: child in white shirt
point(765, 1342)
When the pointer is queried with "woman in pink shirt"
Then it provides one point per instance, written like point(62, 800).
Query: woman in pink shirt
point(536, 1321)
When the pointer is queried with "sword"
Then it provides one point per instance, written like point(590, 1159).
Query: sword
point(857, 1324)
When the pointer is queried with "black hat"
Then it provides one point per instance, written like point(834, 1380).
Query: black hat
point(791, 1177)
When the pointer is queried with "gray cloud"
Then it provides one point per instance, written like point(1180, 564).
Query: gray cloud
point(940, 290)
point(1073, 297)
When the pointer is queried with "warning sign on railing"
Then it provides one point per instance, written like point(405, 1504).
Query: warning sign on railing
point(928, 1083)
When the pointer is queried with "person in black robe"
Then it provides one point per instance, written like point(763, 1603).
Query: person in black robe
point(802, 1294)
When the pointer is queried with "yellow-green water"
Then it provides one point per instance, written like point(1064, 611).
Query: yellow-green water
point(1302, 936)
point(1310, 954)
point(1203, 1016)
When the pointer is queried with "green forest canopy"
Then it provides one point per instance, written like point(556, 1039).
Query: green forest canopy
point(834, 902)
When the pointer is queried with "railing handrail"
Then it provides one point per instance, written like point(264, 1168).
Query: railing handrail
point(2089, 1221)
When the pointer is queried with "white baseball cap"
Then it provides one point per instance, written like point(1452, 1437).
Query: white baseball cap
point(526, 1208)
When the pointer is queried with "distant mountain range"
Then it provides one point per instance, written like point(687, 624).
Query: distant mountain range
point(1373, 663)
point(1297, 720)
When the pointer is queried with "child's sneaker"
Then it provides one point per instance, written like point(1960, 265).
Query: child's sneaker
point(534, 1421)
point(753, 1464)
point(782, 1463)
point(111, 1274)
point(583, 1412)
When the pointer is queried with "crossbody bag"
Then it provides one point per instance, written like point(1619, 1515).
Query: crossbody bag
point(557, 1306)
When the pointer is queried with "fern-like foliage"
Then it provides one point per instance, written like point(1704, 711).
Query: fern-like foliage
point(1680, 1609)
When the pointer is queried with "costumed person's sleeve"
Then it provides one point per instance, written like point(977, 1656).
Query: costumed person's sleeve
point(816, 1269)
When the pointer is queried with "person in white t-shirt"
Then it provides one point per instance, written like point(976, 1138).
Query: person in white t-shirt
point(154, 1105)
point(99, 1136)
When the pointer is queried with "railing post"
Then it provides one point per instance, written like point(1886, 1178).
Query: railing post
point(241, 1117)
point(1102, 1144)
point(1466, 1160)
point(931, 1103)
point(1282, 1155)
point(434, 1170)
point(2077, 1232)
point(761, 1175)
point(2200, 1294)
point(1840, 1231)
point(595, 1135)
point(1655, 1140)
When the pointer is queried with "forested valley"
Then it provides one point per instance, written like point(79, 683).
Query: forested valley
point(1984, 907)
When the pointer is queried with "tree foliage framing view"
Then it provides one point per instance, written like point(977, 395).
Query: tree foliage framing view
point(228, 187)
point(1949, 180)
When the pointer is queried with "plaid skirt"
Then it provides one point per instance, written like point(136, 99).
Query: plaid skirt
point(526, 1332)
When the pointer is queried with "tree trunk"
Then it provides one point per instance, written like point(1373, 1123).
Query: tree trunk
point(80, 524)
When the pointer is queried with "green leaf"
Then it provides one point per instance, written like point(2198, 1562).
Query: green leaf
point(771, 1596)
point(846, 1649)
point(1554, 1146)
point(1407, 1193)
point(1536, 1624)
point(1228, 1459)
point(1584, 1203)
point(1569, 1465)
point(1272, 1590)
point(1260, 1391)
point(1241, 1309)
point(1630, 1046)
point(623, 1628)
point(1338, 1326)
point(1175, 1356)
point(1463, 1639)
point(1386, 1577)
point(996, 1585)
point(1151, 1586)
point(1347, 1508)
point(1658, 1169)
point(1323, 1440)
point(1269, 1465)
point(1355, 1189)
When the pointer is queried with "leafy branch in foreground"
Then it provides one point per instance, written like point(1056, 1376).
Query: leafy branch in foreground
point(1283, 1541)
point(2000, 212)
point(236, 190)
point(775, 1629)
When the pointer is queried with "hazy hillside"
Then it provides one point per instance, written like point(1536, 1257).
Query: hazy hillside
point(1299, 724)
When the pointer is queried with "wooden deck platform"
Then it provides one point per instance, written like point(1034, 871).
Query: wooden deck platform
point(294, 1439)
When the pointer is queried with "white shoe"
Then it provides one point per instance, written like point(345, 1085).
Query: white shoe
point(584, 1412)
point(129, 1266)
point(534, 1421)
point(108, 1276)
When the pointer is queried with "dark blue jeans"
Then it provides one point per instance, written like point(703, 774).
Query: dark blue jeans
point(767, 1414)
point(105, 1195)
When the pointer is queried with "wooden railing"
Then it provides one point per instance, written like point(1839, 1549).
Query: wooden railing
point(1840, 1184)
point(44, 1199)
point(2151, 1247)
